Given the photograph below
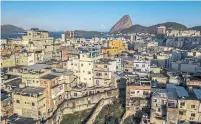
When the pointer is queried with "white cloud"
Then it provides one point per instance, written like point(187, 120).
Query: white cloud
point(103, 26)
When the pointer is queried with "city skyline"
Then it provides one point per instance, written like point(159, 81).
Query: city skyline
point(98, 16)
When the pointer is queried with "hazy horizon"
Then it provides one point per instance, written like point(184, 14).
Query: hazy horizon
point(97, 16)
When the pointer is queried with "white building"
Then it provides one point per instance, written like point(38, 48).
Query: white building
point(161, 30)
point(189, 65)
point(174, 78)
point(179, 55)
point(142, 65)
point(83, 66)
point(118, 64)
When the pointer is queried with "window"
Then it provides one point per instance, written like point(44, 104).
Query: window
point(159, 109)
point(39, 112)
point(182, 103)
point(89, 78)
point(105, 66)
point(137, 65)
point(138, 91)
point(17, 101)
point(116, 67)
point(89, 63)
point(181, 113)
point(155, 100)
point(97, 82)
point(75, 94)
point(132, 92)
point(145, 93)
point(33, 104)
point(89, 72)
point(81, 65)
point(192, 114)
point(192, 106)
point(105, 74)
point(143, 65)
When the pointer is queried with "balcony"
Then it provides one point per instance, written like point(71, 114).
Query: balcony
point(101, 69)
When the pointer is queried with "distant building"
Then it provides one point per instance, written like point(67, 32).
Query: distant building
point(161, 30)
point(69, 35)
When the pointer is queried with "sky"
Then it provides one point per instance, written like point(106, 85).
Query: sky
point(97, 16)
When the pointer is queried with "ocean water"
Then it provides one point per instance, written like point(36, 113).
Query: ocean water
point(52, 34)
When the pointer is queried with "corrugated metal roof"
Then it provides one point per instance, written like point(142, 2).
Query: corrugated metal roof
point(170, 86)
point(197, 93)
point(181, 92)
point(172, 95)
point(159, 93)
point(157, 90)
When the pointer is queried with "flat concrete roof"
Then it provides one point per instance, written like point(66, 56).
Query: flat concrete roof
point(36, 67)
point(49, 76)
point(30, 90)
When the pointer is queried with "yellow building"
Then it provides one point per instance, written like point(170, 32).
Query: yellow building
point(189, 110)
point(194, 53)
point(115, 43)
point(111, 51)
point(24, 58)
point(7, 61)
point(30, 102)
point(160, 78)
point(114, 47)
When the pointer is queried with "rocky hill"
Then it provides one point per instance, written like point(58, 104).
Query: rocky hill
point(197, 28)
point(11, 29)
point(124, 23)
point(153, 28)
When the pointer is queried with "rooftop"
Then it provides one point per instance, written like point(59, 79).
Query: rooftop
point(104, 61)
point(30, 90)
point(49, 76)
point(181, 91)
point(36, 67)
point(14, 119)
point(159, 93)
point(197, 93)
point(4, 95)
point(157, 75)
point(198, 78)
point(14, 83)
